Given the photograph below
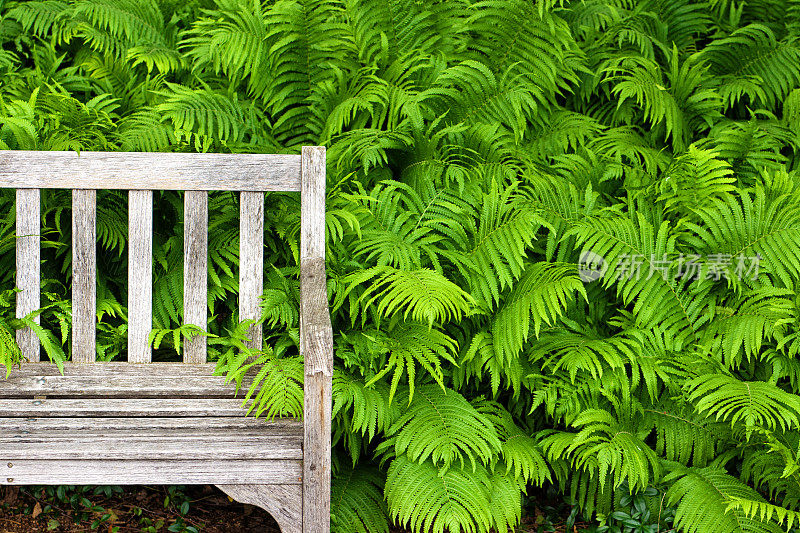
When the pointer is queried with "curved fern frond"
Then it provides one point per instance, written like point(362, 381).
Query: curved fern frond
point(357, 504)
point(441, 426)
point(752, 62)
point(753, 403)
point(420, 497)
point(704, 498)
point(540, 297)
point(421, 295)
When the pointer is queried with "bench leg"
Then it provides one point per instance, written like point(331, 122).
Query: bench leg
point(283, 502)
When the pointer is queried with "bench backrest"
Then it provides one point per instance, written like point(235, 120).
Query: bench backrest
point(141, 173)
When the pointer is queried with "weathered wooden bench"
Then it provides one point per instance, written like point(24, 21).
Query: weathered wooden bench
point(168, 423)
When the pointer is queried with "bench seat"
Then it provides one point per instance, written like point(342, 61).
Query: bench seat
point(102, 423)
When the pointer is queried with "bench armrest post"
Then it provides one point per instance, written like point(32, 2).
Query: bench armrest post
point(316, 344)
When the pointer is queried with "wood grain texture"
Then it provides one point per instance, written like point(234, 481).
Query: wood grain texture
point(316, 344)
point(149, 171)
point(150, 445)
point(118, 380)
point(63, 427)
point(193, 472)
point(28, 273)
point(283, 502)
point(119, 407)
point(84, 275)
point(251, 262)
point(195, 272)
point(140, 275)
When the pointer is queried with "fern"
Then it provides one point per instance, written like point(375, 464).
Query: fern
point(357, 503)
point(422, 498)
point(756, 404)
point(706, 499)
point(441, 426)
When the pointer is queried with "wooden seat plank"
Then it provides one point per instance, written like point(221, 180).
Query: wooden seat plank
point(118, 407)
point(138, 472)
point(117, 380)
point(135, 425)
point(149, 446)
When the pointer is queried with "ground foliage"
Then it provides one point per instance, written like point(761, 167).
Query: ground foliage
point(476, 150)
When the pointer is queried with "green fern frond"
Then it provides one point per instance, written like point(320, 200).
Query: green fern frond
point(704, 498)
point(753, 403)
point(357, 504)
point(751, 61)
point(500, 238)
point(409, 345)
point(605, 448)
point(755, 225)
point(693, 179)
point(540, 297)
point(631, 250)
point(520, 39)
point(441, 426)
point(521, 454)
point(370, 409)
point(275, 383)
point(423, 499)
point(421, 295)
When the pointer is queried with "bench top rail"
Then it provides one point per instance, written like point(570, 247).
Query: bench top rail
point(22, 169)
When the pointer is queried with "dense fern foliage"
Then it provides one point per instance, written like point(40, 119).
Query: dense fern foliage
point(484, 157)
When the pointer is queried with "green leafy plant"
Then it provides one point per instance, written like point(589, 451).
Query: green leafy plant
point(563, 238)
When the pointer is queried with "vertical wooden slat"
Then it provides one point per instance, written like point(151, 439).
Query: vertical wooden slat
point(140, 275)
point(195, 272)
point(316, 344)
point(251, 262)
point(84, 272)
point(28, 259)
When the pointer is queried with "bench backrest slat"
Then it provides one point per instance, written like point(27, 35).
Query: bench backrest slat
point(140, 275)
point(251, 262)
point(149, 171)
point(195, 272)
point(84, 275)
point(28, 258)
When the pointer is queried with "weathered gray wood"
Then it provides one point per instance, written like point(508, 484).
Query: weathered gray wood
point(316, 344)
point(119, 407)
point(195, 272)
point(84, 272)
point(63, 427)
point(115, 368)
point(251, 262)
point(195, 472)
point(140, 275)
point(118, 380)
point(150, 445)
point(283, 502)
point(28, 273)
point(149, 171)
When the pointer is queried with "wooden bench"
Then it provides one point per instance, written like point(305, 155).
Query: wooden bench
point(169, 423)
